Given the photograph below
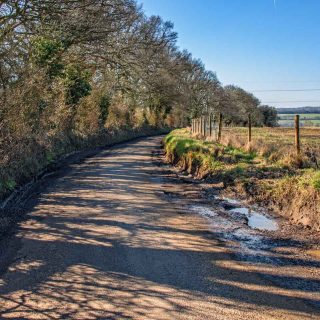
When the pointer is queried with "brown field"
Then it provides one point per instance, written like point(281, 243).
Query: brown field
point(276, 143)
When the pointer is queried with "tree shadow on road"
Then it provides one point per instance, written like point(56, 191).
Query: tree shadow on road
point(103, 243)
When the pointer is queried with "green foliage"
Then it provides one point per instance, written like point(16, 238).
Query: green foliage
point(76, 81)
point(269, 116)
point(47, 53)
point(49, 157)
point(7, 185)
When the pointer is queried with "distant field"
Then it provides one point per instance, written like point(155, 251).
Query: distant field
point(305, 123)
point(302, 116)
point(307, 120)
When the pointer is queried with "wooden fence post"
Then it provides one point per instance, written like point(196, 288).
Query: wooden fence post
point(201, 121)
point(249, 128)
point(201, 131)
point(203, 126)
point(297, 133)
point(220, 126)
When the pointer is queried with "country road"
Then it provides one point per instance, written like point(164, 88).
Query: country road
point(106, 241)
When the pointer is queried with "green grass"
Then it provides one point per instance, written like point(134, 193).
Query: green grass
point(179, 143)
point(315, 180)
point(228, 162)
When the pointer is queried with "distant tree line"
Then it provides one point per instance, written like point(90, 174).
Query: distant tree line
point(300, 110)
point(70, 70)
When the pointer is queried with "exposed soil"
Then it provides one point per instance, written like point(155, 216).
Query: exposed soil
point(300, 207)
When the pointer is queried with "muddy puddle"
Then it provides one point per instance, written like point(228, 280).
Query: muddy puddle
point(238, 224)
point(249, 232)
point(228, 218)
point(257, 220)
point(261, 222)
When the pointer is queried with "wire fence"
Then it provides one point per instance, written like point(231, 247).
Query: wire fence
point(207, 127)
point(210, 127)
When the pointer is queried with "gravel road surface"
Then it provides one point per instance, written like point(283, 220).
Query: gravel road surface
point(105, 240)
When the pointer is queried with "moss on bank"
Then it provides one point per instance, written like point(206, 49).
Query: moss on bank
point(202, 157)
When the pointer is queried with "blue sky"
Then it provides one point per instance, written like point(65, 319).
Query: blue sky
point(255, 44)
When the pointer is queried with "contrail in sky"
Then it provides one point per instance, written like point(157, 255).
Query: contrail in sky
point(275, 4)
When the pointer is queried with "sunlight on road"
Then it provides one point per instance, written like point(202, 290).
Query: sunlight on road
point(104, 243)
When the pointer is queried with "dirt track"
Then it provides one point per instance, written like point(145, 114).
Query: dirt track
point(104, 242)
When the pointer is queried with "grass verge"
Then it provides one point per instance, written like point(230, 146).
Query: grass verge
point(290, 191)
